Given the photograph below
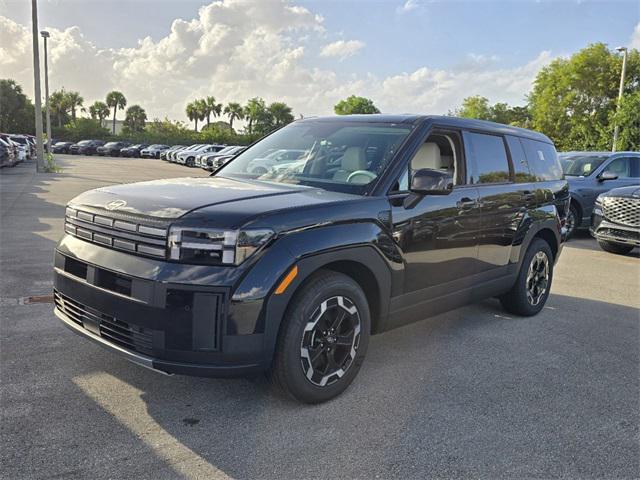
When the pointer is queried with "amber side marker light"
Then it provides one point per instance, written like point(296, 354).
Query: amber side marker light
point(286, 281)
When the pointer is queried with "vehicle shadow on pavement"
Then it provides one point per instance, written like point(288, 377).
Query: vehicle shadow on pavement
point(474, 392)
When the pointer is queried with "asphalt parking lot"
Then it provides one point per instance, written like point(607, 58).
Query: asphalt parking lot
point(471, 393)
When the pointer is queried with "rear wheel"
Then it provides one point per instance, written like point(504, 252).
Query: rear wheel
point(531, 290)
point(613, 247)
point(323, 339)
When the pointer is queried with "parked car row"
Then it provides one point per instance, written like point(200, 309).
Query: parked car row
point(207, 156)
point(16, 148)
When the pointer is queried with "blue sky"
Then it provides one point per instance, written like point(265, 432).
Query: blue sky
point(425, 54)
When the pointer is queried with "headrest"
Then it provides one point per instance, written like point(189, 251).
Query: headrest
point(427, 157)
point(354, 159)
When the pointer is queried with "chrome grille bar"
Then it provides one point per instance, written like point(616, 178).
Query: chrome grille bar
point(625, 211)
point(129, 236)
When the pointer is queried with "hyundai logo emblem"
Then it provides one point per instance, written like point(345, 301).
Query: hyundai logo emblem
point(116, 204)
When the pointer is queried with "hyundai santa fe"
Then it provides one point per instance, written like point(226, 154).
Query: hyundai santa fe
point(385, 220)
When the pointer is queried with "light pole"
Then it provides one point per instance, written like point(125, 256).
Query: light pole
point(45, 35)
point(36, 86)
point(616, 129)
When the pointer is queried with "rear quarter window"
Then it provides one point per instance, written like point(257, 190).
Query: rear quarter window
point(521, 170)
point(542, 159)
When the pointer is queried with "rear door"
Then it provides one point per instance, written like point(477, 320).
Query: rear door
point(502, 202)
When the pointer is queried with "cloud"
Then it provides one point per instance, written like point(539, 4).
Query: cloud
point(342, 49)
point(238, 49)
point(408, 6)
point(635, 37)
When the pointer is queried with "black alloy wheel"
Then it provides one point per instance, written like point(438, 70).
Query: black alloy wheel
point(323, 338)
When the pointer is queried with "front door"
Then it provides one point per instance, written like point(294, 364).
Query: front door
point(438, 235)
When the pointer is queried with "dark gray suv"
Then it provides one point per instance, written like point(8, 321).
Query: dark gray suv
point(591, 173)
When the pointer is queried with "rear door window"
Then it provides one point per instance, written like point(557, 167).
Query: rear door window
point(542, 159)
point(488, 158)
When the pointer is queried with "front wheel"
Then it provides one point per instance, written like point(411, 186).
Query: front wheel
point(323, 339)
point(613, 247)
point(572, 221)
point(531, 290)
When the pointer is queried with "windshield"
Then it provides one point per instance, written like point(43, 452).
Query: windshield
point(338, 155)
point(112, 144)
point(581, 165)
point(20, 140)
point(84, 142)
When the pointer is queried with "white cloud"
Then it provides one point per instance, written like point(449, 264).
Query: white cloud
point(238, 49)
point(635, 37)
point(342, 49)
point(408, 6)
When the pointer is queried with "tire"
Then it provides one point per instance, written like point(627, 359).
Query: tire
point(613, 247)
point(322, 300)
point(573, 221)
point(524, 299)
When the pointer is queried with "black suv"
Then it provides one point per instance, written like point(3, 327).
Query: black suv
point(615, 222)
point(386, 220)
point(111, 149)
point(85, 147)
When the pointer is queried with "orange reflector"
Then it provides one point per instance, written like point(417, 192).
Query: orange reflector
point(293, 273)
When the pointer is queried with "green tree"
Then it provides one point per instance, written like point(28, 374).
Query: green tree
point(117, 101)
point(254, 111)
point(59, 106)
point(281, 113)
point(16, 110)
point(234, 111)
point(82, 129)
point(354, 105)
point(73, 100)
point(475, 107)
point(628, 120)
point(212, 108)
point(194, 113)
point(135, 119)
point(99, 111)
point(573, 99)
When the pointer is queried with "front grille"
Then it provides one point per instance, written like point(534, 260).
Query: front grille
point(625, 211)
point(145, 239)
point(621, 234)
point(111, 329)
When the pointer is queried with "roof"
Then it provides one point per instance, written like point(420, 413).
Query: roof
point(443, 120)
point(599, 154)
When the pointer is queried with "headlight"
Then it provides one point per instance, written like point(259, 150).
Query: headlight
point(215, 247)
point(597, 208)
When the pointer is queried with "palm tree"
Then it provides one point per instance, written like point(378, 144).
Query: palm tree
point(212, 108)
point(135, 118)
point(234, 111)
point(99, 111)
point(281, 113)
point(254, 109)
point(58, 105)
point(116, 100)
point(74, 100)
point(193, 113)
point(202, 109)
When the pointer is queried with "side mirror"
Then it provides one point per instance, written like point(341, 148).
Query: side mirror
point(607, 176)
point(427, 181)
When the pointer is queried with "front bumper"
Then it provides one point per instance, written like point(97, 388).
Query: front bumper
point(603, 229)
point(153, 319)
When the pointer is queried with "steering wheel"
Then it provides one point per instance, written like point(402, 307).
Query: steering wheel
point(361, 177)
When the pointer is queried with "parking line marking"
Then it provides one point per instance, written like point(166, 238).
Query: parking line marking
point(130, 410)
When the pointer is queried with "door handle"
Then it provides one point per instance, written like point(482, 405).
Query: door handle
point(466, 203)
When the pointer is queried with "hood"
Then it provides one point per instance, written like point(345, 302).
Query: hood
point(632, 191)
point(173, 198)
